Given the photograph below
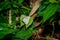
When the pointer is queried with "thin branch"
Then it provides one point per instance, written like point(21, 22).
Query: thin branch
point(10, 20)
point(49, 38)
point(53, 29)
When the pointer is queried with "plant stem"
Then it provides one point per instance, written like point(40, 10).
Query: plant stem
point(53, 29)
point(10, 20)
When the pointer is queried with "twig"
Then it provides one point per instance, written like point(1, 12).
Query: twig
point(53, 29)
point(10, 21)
point(49, 38)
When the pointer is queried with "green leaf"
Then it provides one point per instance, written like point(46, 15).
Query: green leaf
point(4, 25)
point(25, 34)
point(21, 20)
point(5, 31)
point(52, 1)
point(20, 1)
point(29, 22)
point(41, 9)
point(49, 12)
point(21, 23)
point(21, 17)
point(14, 4)
point(4, 5)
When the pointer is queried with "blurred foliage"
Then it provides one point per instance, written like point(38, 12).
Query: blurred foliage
point(47, 9)
point(48, 12)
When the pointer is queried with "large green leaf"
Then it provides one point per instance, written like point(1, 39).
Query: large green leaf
point(25, 34)
point(41, 9)
point(4, 30)
point(49, 12)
